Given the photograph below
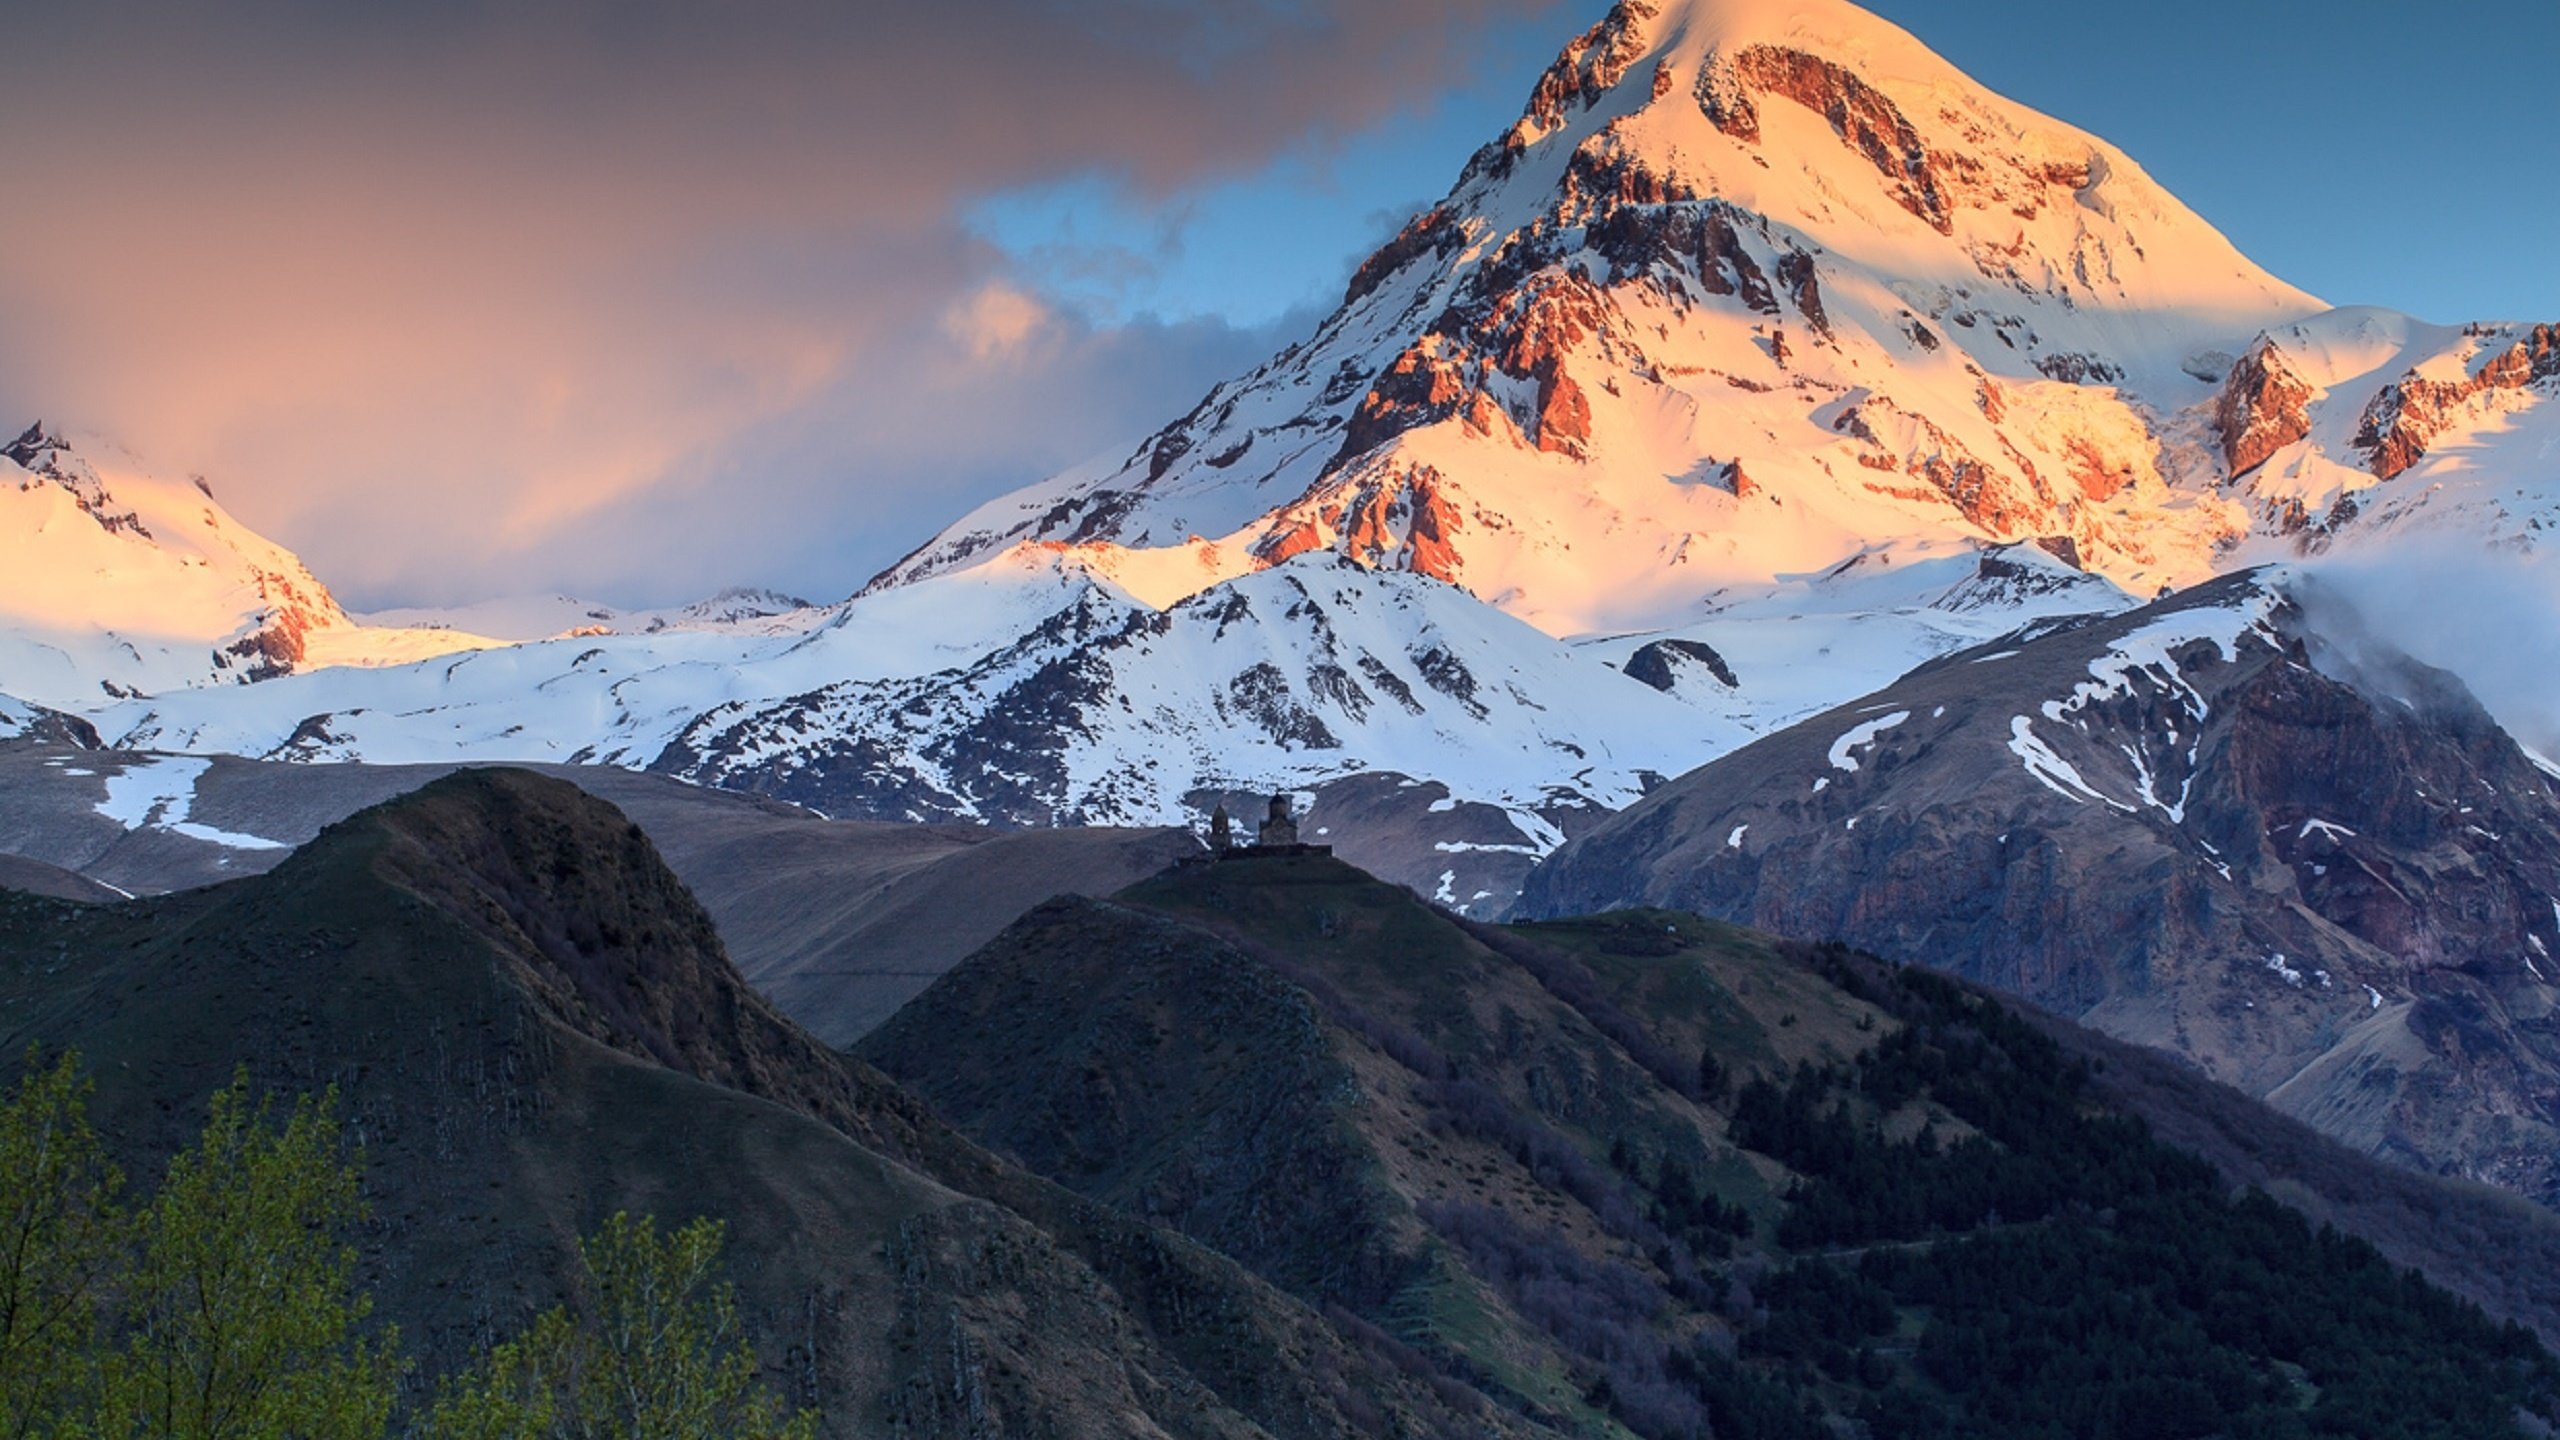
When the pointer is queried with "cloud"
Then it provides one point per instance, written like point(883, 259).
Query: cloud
point(2484, 615)
point(998, 322)
point(447, 296)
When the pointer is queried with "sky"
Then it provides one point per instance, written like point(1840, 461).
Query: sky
point(636, 299)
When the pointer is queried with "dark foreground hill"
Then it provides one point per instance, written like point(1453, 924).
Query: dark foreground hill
point(840, 922)
point(532, 1025)
point(1651, 1174)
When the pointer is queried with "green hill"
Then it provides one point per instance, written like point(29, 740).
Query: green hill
point(1648, 1174)
point(533, 1026)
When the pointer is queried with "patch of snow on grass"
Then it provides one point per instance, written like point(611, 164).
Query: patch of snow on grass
point(149, 791)
point(159, 793)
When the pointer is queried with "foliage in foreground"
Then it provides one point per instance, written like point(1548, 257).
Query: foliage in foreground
point(651, 1353)
point(225, 1307)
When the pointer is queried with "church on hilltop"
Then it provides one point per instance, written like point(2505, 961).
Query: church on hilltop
point(1276, 835)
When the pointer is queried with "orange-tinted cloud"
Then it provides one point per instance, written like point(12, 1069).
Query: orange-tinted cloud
point(460, 299)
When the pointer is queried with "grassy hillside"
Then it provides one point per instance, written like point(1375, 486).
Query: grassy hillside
point(532, 1025)
point(1646, 1174)
point(838, 922)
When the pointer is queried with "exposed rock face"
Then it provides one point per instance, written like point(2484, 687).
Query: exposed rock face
point(1564, 416)
point(1430, 232)
point(1864, 119)
point(2403, 419)
point(1587, 70)
point(1656, 663)
point(281, 640)
point(2005, 501)
point(2326, 879)
point(1395, 520)
point(1523, 334)
point(47, 456)
point(2263, 409)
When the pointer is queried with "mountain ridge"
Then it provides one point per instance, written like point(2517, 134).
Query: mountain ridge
point(1501, 1144)
point(531, 1025)
point(2323, 876)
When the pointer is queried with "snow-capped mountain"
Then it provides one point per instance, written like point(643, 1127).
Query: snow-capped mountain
point(1765, 358)
point(121, 583)
point(1028, 689)
point(1753, 286)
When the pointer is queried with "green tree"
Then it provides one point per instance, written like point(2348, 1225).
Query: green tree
point(61, 1239)
point(652, 1352)
point(241, 1316)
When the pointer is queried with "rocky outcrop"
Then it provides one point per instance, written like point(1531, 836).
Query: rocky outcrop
point(2406, 418)
point(2072, 368)
point(33, 449)
point(1703, 241)
point(1587, 69)
point(1431, 232)
point(1564, 415)
point(1422, 386)
point(2003, 502)
point(280, 641)
point(2264, 407)
point(1865, 119)
point(47, 456)
point(1397, 519)
point(1525, 332)
point(1659, 663)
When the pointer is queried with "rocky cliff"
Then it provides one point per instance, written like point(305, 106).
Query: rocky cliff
point(2318, 871)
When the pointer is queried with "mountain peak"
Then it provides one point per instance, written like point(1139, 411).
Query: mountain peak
point(1751, 287)
point(1730, 99)
point(35, 442)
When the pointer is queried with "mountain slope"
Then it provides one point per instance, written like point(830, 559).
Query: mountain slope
point(1752, 287)
point(1031, 690)
point(2319, 872)
point(839, 922)
point(1501, 1146)
point(545, 617)
point(121, 583)
point(531, 1025)
point(2362, 428)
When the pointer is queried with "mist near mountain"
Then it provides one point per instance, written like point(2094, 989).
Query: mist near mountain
point(2484, 616)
